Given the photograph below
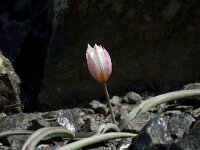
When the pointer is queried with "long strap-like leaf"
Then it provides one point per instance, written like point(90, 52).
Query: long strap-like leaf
point(96, 139)
point(155, 101)
point(42, 133)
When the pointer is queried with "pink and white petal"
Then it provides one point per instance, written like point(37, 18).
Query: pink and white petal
point(107, 62)
point(92, 67)
point(93, 63)
point(99, 63)
point(99, 55)
point(89, 49)
point(98, 59)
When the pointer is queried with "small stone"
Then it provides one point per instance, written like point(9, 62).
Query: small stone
point(132, 98)
point(90, 124)
point(64, 121)
point(2, 115)
point(125, 144)
point(140, 121)
point(115, 100)
point(179, 124)
point(99, 107)
point(153, 136)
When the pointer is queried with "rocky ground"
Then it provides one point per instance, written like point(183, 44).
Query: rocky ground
point(169, 126)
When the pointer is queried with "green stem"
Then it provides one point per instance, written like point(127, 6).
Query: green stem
point(109, 103)
point(96, 139)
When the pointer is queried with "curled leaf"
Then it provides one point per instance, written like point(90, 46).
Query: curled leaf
point(42, 133)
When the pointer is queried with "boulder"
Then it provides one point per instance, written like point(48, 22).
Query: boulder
point(154, 46)
point(9, 87)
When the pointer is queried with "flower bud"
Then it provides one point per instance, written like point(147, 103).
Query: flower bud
point(99, 63)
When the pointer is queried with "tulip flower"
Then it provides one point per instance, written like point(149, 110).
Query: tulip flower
point(100, 67)
point(99, 63)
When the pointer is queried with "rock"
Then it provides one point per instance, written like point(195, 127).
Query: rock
point(71, 119)
point(121, 111)
point(153, 136)
point(143, 48)
point(9, 87)
point(190, 141)
point(76, 120)
point(66, 118)
point(99, 107)
point(4, 147)
point(20, 122)
point(89, 124)
point(2, 115)
point(118, 144)
point(171, 10)
point(124, 144)
point(179, 124)
point(140, 121)
point(115, 100)
point(132, 98)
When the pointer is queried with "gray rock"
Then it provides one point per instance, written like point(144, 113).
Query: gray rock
point(142, 52)
point(70, 119)
point(179, 124)
point(20, 122)
point(99, 107)
point(153, 136)
point(118, 144)
point(115, 100)
point(9, 87)
point(132, 98)
point(190, 141)
point(124, 144)
point(4, 147)
point(140, 121)
point(66, 118)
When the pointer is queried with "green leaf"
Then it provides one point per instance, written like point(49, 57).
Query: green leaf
point(42, 133)
point(96, 139)
point(155, 101)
